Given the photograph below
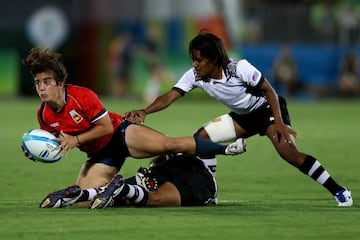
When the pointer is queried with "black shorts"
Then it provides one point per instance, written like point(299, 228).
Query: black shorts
point(194, 182)
point(259, 120)
point(116, 151)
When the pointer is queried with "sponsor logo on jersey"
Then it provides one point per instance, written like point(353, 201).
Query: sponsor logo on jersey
point(255, 76)
point(55, 124)
point(76, 116)
point(218, 119)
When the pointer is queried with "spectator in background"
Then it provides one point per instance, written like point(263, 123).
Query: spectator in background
point(158, 73)
point(348, 24)
point(120, 59)
point(285, 74)
point(253, 25)
point(348, 82)
point(324, 21)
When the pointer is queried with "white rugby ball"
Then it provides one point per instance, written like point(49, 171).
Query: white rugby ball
point(40, 145)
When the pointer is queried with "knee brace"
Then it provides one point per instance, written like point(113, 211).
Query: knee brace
point(221, 129)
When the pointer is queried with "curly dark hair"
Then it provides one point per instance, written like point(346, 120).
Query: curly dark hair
point(210, 47)
point(42, 60)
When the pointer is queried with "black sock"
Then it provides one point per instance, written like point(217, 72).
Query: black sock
point(313, 169)
point(84, 197)
point(207, 148)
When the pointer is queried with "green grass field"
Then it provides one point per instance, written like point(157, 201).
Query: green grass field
point(260, 196)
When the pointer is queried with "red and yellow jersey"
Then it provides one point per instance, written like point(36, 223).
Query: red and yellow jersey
point(81, 110)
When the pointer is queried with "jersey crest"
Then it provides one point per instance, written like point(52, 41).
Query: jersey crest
point(76, 116)
point(54, 125)
point(231, 69)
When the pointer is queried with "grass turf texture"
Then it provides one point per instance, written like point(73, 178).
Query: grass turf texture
point(261, 196)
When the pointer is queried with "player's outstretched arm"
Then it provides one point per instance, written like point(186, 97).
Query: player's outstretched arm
point(159, 104)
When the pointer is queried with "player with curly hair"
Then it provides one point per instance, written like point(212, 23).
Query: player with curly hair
point(78, 118)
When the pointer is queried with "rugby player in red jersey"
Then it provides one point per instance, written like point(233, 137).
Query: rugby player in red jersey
point(78, 118)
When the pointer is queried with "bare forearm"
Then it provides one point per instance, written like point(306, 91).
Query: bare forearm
point(101, 128)
point(274, 105)
point(162, 102)
point(273, 101)
point(159, 104)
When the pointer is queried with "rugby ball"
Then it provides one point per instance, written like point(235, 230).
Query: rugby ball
point(40, 145)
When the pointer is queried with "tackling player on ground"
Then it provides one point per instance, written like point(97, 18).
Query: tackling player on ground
point(255, 108)
point(172, 180)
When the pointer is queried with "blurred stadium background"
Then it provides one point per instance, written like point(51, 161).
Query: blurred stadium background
point(103, 41)
point(261, 197)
